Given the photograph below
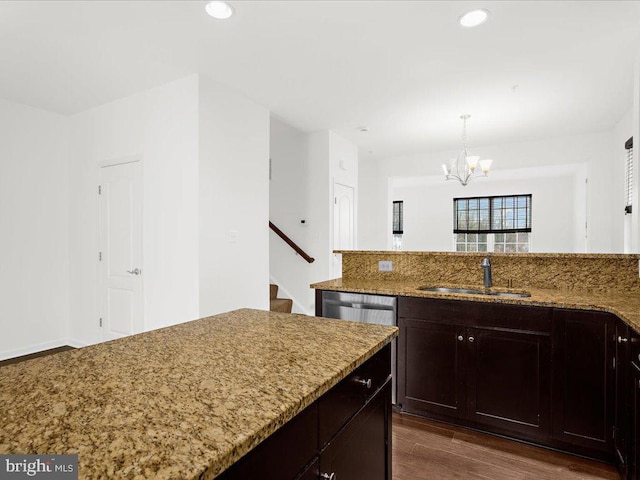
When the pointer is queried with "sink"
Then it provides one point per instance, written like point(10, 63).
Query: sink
point(471, 291)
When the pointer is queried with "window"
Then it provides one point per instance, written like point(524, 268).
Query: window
point(628, 177)
point(398, 224)
point(397, 217)
point(492, 224)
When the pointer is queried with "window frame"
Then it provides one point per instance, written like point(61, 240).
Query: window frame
point(491, 243)
point(397, 229)
point(628, 177)
point(491, 210)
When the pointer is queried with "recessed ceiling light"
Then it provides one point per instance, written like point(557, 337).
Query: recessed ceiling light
point(219, 9)
point(474, 18)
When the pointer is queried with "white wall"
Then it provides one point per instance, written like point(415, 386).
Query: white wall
point(343, 169)
point(635, 216)
point(588, 155)
point(161, 127)
point(428, 207)
point(288, 206)
point(34, 305)
point(319, 214)
point(233, 202)
point(372, 195)
point(620, 222)
point(304, 169)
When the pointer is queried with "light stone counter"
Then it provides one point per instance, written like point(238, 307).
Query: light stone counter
point(181, 402)
point(625, 305)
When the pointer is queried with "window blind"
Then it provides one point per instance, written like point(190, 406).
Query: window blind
point(628, 176)
point(500, 214)
point(398, 206)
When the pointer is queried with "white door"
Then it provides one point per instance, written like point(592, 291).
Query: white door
point(343, 234)
point(121, 250)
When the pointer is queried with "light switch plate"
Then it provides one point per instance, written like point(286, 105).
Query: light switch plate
point(385, 265)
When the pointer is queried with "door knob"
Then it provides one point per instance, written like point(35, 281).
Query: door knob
point(135, 271)
point(471, 339)
point(622, 339)
point(460, 338)
point(326, 476)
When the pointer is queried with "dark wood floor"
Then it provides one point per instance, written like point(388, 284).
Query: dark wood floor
point(429, 450)
point(34, 355)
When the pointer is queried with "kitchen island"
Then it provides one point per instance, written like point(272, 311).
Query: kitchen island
point(186, 401)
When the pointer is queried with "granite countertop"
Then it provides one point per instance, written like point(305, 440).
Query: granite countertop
point(624, 305)
point(181, 402)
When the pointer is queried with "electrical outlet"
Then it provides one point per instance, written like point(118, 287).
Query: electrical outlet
point(385, 265)
point(234, 236)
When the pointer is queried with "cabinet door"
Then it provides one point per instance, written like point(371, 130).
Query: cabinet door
point(311, 472)
point(362, 449)
point(634, 452)
point(583, 380)
point(509, 380)
point(621, 419)
point(431, 367)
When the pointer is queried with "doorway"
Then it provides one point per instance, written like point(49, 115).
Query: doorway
point(343, 223)
point(120, 256)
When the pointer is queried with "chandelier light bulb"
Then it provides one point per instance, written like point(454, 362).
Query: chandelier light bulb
point(465, 168)
point(485, 165)
point(472, 161)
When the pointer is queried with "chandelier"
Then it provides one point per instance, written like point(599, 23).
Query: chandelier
point(465, 167)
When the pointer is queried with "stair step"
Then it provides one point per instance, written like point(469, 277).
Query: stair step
point(273, 291)
point(281, 305)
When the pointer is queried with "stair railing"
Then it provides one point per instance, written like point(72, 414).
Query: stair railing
point(291, 243)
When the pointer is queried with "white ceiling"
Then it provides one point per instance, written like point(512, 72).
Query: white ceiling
point(404, 69)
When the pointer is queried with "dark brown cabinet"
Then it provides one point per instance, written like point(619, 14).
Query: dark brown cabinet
point(584, 352)
point(508, 379)
point(361, 450)
point(633, 395)
point(541, 374)
point(483, 365)
point(634, 451)
point(621, 429)
point(346, 432)
point(432, 367)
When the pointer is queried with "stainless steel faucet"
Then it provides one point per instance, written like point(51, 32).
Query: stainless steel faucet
point(486, 266)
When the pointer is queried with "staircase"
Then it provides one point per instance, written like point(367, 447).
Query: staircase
point(278, 304)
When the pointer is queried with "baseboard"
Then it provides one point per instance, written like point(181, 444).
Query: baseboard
point(297, 306)
point(75, 343)
point(19, 352)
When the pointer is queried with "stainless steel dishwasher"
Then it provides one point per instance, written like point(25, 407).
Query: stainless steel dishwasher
point(360, 307)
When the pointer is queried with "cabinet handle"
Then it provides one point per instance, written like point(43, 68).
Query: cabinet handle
point(327, 476)
point(460, 338)
point(367, 383)
point(622, 339)
point(471, 339)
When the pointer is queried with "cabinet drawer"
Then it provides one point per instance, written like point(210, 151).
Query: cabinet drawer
point(454, 312)
point(513, 317)
point(348, 396)
point(284, 453)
